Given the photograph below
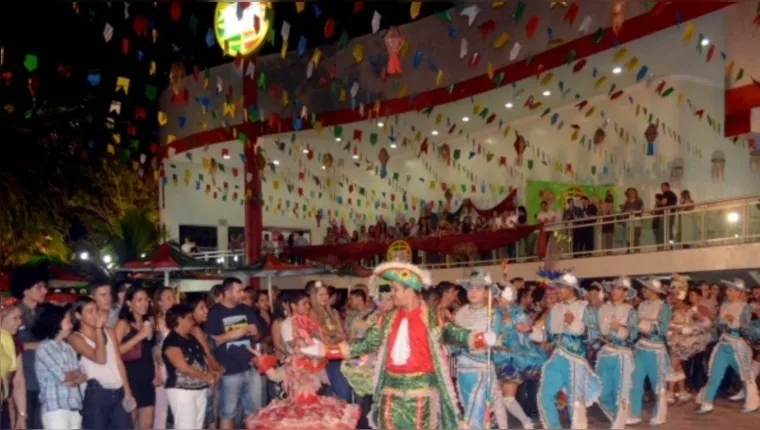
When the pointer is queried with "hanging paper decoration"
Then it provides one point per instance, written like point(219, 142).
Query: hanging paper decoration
point(393, 43)
point(327, 160)
point(599, 136)
point(520, 147)
point(618, 15)
point(383, 158)
point(445, 153)
point(651, 135)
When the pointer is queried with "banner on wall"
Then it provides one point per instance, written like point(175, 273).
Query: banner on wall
point(558, 193)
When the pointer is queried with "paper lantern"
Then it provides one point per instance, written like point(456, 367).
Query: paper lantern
point(383, 158)
point(393, 43)
point(177, 78)
point(327, 161)
point(618, 15)
point(599, 136)
point(444, 151)
point(520, 146)
point(651, 135)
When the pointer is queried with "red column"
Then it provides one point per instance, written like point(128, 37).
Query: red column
point(253, 197)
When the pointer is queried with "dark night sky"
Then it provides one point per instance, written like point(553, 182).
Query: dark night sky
point(62, 39)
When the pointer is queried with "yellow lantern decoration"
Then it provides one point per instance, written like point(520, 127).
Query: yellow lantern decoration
point(242, 27)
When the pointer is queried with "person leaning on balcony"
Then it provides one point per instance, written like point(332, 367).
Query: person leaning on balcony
point(607, 207)
point(633, 206)
point(687, 227)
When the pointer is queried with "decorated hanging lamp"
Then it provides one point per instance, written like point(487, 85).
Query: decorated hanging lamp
point(393, 43)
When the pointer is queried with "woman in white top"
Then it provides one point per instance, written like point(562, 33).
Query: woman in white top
point(108, 392)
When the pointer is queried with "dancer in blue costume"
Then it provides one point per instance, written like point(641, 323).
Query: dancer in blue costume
point(618, 330)
point(517, 356)
point(476, 378)
point(733, 349)
point(651, 353)
point(569, 328)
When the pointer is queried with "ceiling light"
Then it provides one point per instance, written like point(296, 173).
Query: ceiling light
point(142, 255)
point(305, 151)
point(434, 132)
point(338, 139)
point(226, 156)
point(393, 146)
point(508, 105)
point(466, 118)
point(324, 168)
point(705, 42)
point(356, 157)
point(617, 70)
point(276, 162)
point(733, 217)
point(84, 256)
point(380, 124)
point(547, 93)
point(107, 259)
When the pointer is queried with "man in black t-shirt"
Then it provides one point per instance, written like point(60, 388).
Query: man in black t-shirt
point(234, 328)
point(669, 199)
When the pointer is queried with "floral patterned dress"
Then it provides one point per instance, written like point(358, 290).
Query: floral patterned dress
point(302, 377)
point(687, 335)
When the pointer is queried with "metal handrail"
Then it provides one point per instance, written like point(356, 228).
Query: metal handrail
point(676, 208)
point(632, 220)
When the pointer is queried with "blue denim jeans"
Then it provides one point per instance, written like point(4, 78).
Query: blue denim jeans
point(102, 408)
point(245, 389)
point(338, 383)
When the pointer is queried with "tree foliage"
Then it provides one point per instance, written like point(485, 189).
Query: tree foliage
point(49, 181)
point(132, 236)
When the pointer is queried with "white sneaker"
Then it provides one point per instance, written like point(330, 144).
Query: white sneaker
point(654, 423)
point(705, 409)
point(632, 421)
point(738, 396)
point(529, 425)
point(683, 397)
point(747, 411)
point(671, 399)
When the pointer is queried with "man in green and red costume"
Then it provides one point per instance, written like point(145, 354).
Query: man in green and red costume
point(413, 387)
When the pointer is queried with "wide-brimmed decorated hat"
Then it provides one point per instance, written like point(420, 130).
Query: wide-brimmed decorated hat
point(622, 282)
point(654, 284)
point(736, 283)
point(405, 274)
point(480, 278)
point(568, 280)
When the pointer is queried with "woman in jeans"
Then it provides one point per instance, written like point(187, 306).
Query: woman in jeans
point(187, 374)
point(58, 370)
point(163, 299)
point(107, 391)
point(134, 335)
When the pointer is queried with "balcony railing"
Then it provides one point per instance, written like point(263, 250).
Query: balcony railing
point(712, 223)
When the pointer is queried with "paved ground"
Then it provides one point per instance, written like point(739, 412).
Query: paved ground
point(726, 416)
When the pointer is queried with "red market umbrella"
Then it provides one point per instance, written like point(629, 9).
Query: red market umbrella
point(269, 266)
point(166, 259)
